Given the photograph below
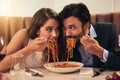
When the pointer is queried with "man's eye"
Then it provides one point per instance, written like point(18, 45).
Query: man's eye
point(72, 27)
point(49, 29)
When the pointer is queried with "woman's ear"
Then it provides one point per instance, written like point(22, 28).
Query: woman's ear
point(87, 28)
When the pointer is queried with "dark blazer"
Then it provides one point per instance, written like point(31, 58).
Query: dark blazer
point(108, 39)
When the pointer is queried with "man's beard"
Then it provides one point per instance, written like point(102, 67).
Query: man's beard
point(76, 37)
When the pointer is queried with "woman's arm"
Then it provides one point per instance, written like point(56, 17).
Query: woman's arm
point(18, 46)
point(18, 41)
point(14, 48)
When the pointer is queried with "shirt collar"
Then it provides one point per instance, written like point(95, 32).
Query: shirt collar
point(92, 32)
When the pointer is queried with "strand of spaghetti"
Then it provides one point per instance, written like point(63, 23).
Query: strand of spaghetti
point(48, 54)
point(56, 48)
point(53, 52)
point(67, 58)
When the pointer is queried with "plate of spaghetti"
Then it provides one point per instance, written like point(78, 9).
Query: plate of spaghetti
point(63, 67)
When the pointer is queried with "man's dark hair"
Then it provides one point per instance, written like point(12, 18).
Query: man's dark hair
point(79, 10)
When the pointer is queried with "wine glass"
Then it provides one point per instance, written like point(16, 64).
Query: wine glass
point(1, 43)
point(2, 48)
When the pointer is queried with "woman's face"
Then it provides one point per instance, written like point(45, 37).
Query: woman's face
point(49, 30)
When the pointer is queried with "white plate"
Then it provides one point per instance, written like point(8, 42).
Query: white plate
point(50, 67)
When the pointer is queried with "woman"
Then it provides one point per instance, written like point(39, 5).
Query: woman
point(32, 43)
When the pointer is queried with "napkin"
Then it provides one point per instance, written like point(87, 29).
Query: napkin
point(86, 71)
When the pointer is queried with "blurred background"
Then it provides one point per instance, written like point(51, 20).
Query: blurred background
point(17, 14)
point(29, 7)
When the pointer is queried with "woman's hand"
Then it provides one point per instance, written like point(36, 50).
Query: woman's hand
point(92, 46)
point(38, 44)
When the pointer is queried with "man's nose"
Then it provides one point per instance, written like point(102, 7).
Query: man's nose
point(68, 32)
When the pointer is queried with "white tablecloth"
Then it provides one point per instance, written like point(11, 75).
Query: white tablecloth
point(48, 75)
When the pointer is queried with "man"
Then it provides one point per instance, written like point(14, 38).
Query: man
point(97, 44)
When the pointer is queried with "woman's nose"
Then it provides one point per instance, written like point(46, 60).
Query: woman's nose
point(54, 33)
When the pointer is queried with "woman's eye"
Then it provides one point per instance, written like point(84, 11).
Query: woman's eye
point(49, 29)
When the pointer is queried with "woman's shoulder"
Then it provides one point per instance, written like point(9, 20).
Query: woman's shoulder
point(22, 32)
point(21, 35)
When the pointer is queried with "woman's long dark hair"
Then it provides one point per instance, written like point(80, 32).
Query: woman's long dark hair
point(39, 19)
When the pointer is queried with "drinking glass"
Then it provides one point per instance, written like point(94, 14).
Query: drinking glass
point(2, 48)
point(2, 42)
point(17, 70)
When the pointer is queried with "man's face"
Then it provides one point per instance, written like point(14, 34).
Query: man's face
point(73, 27)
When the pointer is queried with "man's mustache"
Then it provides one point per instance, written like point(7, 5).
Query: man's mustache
point(70, 36)
point(75, 37)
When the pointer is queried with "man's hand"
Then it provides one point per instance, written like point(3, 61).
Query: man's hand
point(92, 46)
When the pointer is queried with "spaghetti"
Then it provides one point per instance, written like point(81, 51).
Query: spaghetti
point(53, 48)
point(65, 65)
point(70, 45)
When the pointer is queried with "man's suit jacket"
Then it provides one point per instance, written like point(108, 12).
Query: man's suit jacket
point(107, 37)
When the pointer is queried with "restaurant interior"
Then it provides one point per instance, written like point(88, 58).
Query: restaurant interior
point(17, 14)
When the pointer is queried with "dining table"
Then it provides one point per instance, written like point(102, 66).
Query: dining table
point(49, 75)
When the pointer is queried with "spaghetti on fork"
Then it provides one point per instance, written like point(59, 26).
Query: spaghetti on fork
point(71, 42)
point(53, 48)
